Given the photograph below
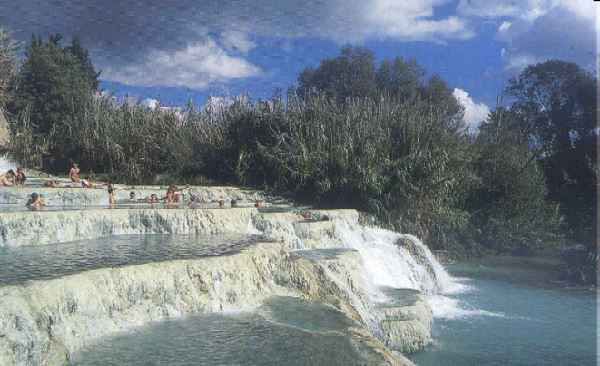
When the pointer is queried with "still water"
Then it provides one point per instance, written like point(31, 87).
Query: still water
point(285, 331)
point(52, 261)
point(502, 319)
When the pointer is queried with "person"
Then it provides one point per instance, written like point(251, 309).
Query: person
point(8, 179)
point(51, 184)
point(20, 177)
point(75, 178)
point(35, 201)
point(132, 196)
point(111, 195)
point(193, 201)
point(152, 199)
point(172, 195)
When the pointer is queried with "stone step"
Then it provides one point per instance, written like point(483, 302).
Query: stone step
point(50, 227)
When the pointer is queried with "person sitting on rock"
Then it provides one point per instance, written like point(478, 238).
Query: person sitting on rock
point(75, 178)
point(35, 202)
point(20, 177)
point(8, 179)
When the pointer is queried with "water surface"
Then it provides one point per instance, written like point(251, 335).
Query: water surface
point(286, 331)
point(56, 260)
point(499, 321)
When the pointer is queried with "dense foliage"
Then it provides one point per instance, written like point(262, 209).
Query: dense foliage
point(380, 138)
point(8, 65)
point(53, 82)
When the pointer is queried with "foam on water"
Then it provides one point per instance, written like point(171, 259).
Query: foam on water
point(389, 264)
point(445, 307)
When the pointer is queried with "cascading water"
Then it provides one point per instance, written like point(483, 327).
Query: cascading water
point(389, 260)
point(392, 265)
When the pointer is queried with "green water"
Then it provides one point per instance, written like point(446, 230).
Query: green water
point(286, 331)
point(502, 320)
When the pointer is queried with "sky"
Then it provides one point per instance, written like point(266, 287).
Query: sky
point(174, 51)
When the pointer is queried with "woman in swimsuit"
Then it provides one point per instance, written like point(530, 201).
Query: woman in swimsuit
point(75, 178)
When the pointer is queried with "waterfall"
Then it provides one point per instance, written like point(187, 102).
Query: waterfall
point(396, 260)
point(389, 259)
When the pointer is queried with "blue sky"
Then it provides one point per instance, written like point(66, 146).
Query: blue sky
point(176, 50)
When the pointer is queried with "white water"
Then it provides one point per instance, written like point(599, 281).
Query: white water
point(6, 164)
point(391, 265)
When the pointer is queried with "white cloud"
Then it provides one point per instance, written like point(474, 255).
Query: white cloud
point(505, 26)
point(519, 61)
point(411, 20)
point(526, 9)
point(581, 8)
point(237, 41)
point(196, 66)
point(475, 113)
point(150, 103)
point(538, 30)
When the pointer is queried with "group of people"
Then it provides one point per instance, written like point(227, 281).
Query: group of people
point(173, 195)
point(12, 178)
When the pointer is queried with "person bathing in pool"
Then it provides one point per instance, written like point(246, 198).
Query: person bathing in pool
point(20, 177)
point(35, 202)
point(8, 179)
point(152, 199)
point(172, 195)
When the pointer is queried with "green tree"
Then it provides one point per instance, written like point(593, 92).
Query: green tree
point(82, 55)
point(52, 82)
point(509, 206)
point(400, 78)
point(8, 64)
point(556, 102)
point(351, 74)
point(437, 92)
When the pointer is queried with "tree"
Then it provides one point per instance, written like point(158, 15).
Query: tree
point(8, 64)
point(508, 204)
point(556, 102)
point(351, 74)
point(82, 55)
point(51, 85)
point(401, 79)
point(437, 92)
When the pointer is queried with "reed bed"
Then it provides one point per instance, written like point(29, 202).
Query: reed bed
point(406, 162)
